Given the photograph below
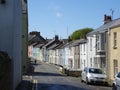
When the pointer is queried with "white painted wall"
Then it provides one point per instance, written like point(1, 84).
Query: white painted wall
point(91, 49)
point(71, 58)
point(10, 35)
point(83, 55)
point(66, 56)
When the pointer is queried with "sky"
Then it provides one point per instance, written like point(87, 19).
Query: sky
point(63, 17)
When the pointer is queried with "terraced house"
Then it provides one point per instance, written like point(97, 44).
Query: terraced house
point(100, 49)
point(113, 49)
point(103, 47)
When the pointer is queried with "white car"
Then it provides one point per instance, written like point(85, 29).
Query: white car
point(93, 75)
point(116, 83)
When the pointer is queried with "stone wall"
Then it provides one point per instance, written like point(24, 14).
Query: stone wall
point(74, 73)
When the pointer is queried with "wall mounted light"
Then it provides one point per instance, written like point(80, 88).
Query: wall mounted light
point(3, 1)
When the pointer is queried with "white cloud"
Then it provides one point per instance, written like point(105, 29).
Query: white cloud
point(58, 14)
point(56, 9)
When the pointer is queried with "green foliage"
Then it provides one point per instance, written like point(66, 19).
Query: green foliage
point(81, 33)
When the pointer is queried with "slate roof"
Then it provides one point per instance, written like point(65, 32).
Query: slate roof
point(67, 44)
point(50, 43)
point(60, 46)
point(116, 23)
point(77, 42)
point(38, 45)
point(105, 27)
point(35, 39)
point(53, 46)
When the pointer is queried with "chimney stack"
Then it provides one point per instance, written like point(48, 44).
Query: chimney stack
point(56, 38)
point(107, 19)
point(35, 33)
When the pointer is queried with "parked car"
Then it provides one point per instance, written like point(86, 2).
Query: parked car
point(116, 83)
point(93, 75)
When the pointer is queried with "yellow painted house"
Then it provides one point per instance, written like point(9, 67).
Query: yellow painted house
point(113, 49)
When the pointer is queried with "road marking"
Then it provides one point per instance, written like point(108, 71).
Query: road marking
point(35, 84)
point(30, 77)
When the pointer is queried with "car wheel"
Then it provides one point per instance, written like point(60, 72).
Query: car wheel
point(114, 87)
point(81, 80)
point(87, 82)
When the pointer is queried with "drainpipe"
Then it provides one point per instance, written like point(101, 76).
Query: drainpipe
point(108, 54)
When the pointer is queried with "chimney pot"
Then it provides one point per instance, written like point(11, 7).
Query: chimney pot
point(107, 19)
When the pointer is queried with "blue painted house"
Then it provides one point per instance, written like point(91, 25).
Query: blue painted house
point(46, 47)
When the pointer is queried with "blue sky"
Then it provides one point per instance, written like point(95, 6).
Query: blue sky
point(63, 17)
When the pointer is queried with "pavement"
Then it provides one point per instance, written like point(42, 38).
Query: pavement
point(25, 85)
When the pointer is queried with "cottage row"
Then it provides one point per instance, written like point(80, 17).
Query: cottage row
point(101, 49)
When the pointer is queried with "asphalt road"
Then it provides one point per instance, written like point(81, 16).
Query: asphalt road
point(48, 77)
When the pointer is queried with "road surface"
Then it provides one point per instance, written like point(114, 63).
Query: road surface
point(48, 77)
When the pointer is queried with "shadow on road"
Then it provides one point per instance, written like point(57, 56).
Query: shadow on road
point(45, 74)
point(100, 84)
point(44, 86)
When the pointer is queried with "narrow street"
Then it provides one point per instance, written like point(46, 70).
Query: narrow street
point(48, 77)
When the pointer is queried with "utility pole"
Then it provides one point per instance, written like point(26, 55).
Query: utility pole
point(67, 31)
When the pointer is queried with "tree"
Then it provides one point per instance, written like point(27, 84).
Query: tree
point(81, 33)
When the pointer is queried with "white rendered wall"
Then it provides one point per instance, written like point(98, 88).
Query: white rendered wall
point(91, 52)
point(10, 35)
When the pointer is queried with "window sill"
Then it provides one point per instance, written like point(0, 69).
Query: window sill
point(114, 47)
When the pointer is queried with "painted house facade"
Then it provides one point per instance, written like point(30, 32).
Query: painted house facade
point(66, 48)
point(97, 45)
point(52, 53)
point(11, 36)
point(62, 53)
point(83, 54)
point(46, 47)
point(100, 49)
point(70, 58)
point(76, 54)
point(106, 42)
point(96, 49)
point(91, 49)
point(113, 49)
point(35, 41)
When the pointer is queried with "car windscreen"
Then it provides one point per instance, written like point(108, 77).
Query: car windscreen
point(96, 71)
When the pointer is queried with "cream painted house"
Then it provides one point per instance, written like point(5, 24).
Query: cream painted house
point(113, 49)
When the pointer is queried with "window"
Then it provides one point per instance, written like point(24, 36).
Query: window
point(91, 62)
point(90, 44)
point(115, 40)
point(84, 47)
point(102, 41)
point(95, 60)
point(98, 42)
point(115, 62)
point(118, 75)
point(81, 48)
point(94, 70)
point(98, 45)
